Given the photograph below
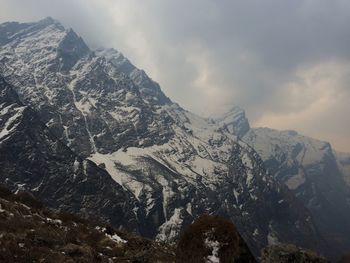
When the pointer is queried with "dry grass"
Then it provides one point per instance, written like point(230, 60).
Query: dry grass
point(29, 232)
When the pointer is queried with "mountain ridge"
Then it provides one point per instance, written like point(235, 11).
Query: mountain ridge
point(313, 171)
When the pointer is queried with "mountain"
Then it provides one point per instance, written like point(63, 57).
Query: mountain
point(32, 157)
point(90, 133)
point(312, 171)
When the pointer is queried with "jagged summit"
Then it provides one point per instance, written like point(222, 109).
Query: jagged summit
point(120, 62)
point(50, 44)
point(12, 30)
point(49, 21)
point(235, 121)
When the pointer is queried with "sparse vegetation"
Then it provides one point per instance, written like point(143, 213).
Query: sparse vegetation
point(193, 246)
point(29, 232)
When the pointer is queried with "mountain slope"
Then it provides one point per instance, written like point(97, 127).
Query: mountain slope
point(168, 165)
point(31, 157)
point(310, 169)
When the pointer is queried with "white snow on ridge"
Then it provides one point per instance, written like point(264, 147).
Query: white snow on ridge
point(190, 154)
point(112, 55)
point(6, 130)
point(268, 142)
point(289, 148)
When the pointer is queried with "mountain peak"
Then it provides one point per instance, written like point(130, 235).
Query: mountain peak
point(45, 43)
point(235, 121)
point(49, 21)
point(148, 88)
point(12, 31)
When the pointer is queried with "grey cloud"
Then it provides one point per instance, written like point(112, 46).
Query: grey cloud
point(209, 54)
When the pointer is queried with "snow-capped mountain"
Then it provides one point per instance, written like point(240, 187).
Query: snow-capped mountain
point(312, 170)
point(95, 117)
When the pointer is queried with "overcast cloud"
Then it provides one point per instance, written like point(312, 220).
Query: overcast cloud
point(287, 63)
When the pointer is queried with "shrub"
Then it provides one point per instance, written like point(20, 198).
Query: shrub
point(192, 244)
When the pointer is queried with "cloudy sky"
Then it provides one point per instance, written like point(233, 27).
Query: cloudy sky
point(287, 63)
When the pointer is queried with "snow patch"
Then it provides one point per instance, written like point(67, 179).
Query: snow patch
point(214, 246)
point(6, 130)
point(116, 238)
point(170, 229)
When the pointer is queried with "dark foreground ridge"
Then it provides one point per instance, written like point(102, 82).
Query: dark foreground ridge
point(30, 232)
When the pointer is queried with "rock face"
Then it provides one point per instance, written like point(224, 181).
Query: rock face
point(91, 133)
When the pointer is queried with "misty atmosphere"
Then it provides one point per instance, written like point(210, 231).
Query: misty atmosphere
point(174, 131)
